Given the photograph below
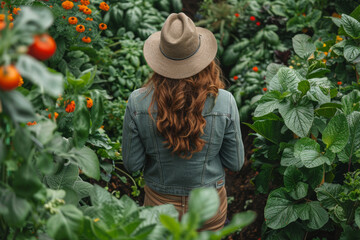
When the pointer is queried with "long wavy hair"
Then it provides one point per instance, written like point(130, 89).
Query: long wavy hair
point(179, 108)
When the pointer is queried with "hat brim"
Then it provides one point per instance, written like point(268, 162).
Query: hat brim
point(179, 69)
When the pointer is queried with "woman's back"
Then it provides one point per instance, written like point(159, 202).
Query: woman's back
point(167, 172)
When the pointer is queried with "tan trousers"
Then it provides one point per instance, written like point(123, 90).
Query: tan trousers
point(180, 203)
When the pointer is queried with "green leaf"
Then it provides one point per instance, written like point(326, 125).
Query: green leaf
point(304, 87)
point(17, 208)
point(336, 134)
point(300, 191)
point(171, 224)
point(22, 142)
point(292, 176)
point(288, 159)
point(268, 103)
point(66, 177)
point(203, 202)
point(32, 20)
point(66, 224)
point(17, 106)
point(288, 79)
point(272, 70)
point(266, 129)
point(263, 179)
point(349, 101)
point(328, 110)
point(308, 151)
point(327, 194)
point(313, 212)
point(238, 222)
point(97, 110)
point(298, 118)
point(313, 176)
point(279, 209)
point(303, 46)
point(351, 26)
point(81, 122)
point(357, 217)
point(25, 182)
point(87, 161)
point(44, 131)
point(83, 188)
point(351, 52)
point(2, 151)
point(50, 83)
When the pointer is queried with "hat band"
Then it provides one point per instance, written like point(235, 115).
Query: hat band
point(178, 59)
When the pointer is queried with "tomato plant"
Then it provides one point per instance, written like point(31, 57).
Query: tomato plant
point(43, 47)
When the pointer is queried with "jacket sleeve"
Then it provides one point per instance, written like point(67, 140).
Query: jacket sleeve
point(133, 150)
point(232, 148)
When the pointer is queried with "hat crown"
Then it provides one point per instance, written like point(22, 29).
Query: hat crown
point(179, 37)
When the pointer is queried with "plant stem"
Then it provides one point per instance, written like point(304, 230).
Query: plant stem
point(132, 179)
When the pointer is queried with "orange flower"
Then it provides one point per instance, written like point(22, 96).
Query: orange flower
point(237, 15)
point(21, 81)
point(235, 78)
point(89, 19)
point(55, 115)
point(11, 25)
point(70, 107)
point(102, 26)
point(16, 11)
point(67, 5)
point(104, 6)
point(51, 6)
point(264, 89)
point(10, 18)
point(2, 17)
point(86, 40)
point(82, 8)
point(85, 2)
point(87, 11)
point(255, 69)
point(339, 83)
point(89, 102)
point(80, 28)
point(73, 20)
point(31, 123)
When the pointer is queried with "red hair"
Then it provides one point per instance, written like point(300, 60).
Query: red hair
point(180, 103)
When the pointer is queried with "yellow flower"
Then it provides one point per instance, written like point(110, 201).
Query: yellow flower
point(324, 45)
point(326, 53)
point(96, 219)
point(291, 67)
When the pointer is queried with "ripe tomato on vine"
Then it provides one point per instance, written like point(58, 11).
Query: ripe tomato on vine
point(9, 78)
point(43, 47)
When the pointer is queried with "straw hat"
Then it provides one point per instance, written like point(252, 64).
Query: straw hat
point(180, 49)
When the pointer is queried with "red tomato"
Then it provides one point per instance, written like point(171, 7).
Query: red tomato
point(43, 48)
point(9, 77)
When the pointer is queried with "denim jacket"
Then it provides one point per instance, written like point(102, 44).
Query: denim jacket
point(167, 173)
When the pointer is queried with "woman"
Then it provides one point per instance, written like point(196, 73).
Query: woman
point(181, 127)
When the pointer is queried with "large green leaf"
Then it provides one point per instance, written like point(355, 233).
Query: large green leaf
point(349, 101)
point(351, 26)
point(304, 87)
point(327, 194)
point(303, 46)
point(203, 204)
point(50, 83)
point(313, 176)
point(298, 118)
point(272, 70)
point(336, 134)
point(16, 208)
point(17, 106)
point(32, 20)
point(87, 161)
point(279, 209)
point(288, 79)
point(67, 223)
